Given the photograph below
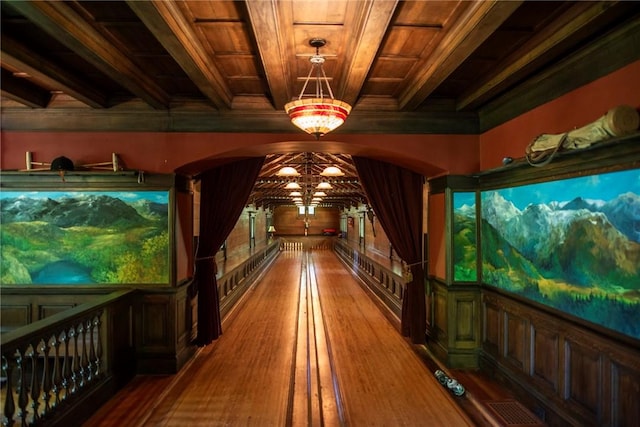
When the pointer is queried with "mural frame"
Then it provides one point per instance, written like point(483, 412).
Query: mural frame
point(71, 222)
point(562, 275)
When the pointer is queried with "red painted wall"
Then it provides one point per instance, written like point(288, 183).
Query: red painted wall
point(573, 110)
point(429, 155)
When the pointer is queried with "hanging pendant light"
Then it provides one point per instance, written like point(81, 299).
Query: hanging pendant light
point(317, 115)
point(332, 171)
point(287, 171)
point(324, 186)
point(293, 186)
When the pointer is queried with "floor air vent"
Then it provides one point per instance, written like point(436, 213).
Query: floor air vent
point(513, 414)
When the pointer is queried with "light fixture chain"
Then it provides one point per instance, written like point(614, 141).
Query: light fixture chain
point(319, 73)
point(326, 80)
point(306, 82)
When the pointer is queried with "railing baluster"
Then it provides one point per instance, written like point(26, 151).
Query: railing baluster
point(9, 403)
point(66, 365)
point(74, 360)
point(98, 361)
point(35, 384)
point(23, 390)
point(92, 352)
point(46, 377)
point(57, 373)
point(83, 354)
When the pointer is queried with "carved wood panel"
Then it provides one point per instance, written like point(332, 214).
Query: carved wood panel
point(515, 340)
point(491, 328)
point(583, 371)
point(545, 357)
point(625, 390)
point(440, 315)
point(466, 330)
point(46, 310)
point(156, 326)
point(14, 316)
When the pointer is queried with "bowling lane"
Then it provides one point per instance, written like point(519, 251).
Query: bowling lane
point(381, 380)
point(244, 378)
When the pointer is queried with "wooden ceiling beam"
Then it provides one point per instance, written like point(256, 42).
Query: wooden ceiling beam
point(478, 22)
point(272, 26)
point(61, 22)
point(370, 24)
point(169, 26)
point(575, 19)
point(22, 91)
point(21, 58)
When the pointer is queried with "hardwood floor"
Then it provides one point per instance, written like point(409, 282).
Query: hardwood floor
point(305, 346)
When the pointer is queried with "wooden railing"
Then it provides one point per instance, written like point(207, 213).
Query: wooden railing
point(385, 283)
point(231, 283)
point(53, 364)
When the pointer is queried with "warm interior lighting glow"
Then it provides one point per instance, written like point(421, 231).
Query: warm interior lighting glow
point(332, 171)
point(324, 186)
point(292, 186)
point(317, 115)
point(287, 171)
point(319, 194)
point(271, 229)
point(295, 194)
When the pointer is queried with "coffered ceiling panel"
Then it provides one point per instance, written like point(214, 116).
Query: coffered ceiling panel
point(230, 66)
point(395, 56)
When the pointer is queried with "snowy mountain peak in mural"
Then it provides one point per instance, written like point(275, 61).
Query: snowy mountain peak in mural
point(573, 245)
point(58, 237)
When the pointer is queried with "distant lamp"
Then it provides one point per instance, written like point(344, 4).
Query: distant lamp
point(287, 171)
point(332, 171)
point(271, 230)
point(319, 194)
point(295, 194)
point(324, 186)
point(292, 186)
point(317, 115)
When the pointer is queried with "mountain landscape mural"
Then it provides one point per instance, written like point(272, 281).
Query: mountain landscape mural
point(573, 245)
point(80, 237)
point(465, 251)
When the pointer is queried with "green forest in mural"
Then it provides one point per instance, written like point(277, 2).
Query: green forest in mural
point(78, 237)
point(573, 245)
point(465, 251)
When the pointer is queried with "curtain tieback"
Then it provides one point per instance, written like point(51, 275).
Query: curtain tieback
point(213, 259)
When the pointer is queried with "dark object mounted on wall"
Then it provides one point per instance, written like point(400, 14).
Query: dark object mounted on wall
point(62, 164)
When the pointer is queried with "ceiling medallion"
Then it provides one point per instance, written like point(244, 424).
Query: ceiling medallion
point(316, 114)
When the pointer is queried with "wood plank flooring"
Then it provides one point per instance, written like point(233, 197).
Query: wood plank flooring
point(305, 347)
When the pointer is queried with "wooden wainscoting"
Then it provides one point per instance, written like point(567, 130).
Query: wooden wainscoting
point(455, 324)
point(571, 374)
point(22, 306)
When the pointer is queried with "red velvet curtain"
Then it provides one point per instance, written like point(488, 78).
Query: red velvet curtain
point(395, 194)
point(223, 194)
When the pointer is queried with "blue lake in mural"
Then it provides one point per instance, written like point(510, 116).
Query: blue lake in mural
point(63, 272)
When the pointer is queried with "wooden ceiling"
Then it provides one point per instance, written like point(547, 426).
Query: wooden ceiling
point(345, 192)
point(405, 66)
point(228, 66)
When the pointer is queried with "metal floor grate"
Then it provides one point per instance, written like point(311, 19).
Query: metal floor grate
point(513, 413)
